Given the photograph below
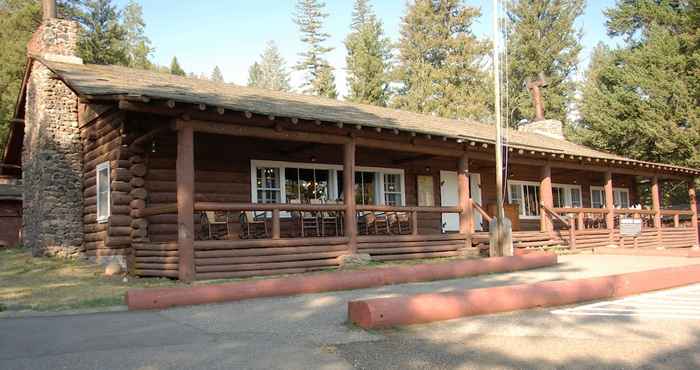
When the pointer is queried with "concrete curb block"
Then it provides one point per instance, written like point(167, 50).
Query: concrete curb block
point(424, 308)
point(680, 252)
point(159, 298)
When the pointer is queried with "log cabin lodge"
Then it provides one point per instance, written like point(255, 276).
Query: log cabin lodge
point(190, 179)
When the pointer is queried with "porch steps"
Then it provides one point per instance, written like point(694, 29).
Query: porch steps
point(406, 247)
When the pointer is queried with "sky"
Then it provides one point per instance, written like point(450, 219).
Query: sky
point(232, 33)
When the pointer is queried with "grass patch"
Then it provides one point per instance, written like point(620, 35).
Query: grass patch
point(50, 284)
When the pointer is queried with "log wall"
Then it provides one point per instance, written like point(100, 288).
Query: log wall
point(103, 141)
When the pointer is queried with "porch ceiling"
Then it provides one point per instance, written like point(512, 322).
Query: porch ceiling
point(119, 83)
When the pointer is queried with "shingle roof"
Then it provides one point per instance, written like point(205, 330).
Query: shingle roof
point(99, 80)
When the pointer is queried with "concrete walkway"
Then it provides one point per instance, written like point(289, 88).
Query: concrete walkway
point(309, 332)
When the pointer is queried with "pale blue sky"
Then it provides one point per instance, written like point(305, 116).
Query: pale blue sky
point(232, 33)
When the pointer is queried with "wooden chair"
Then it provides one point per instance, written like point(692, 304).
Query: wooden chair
point(330, 220)
point(309, 223)
point(399, 223)
point(210, 222)
point(252, 226)
point(372, 223)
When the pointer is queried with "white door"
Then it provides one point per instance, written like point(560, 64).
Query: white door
point(449, 197)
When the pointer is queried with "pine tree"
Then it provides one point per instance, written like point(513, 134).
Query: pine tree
point(441, 65)
point(642, 99)
point(271, 72)
point(309, 17)
point(542, 39)
point(176, 69)
point(216, 75)
point(368, 57)
point(137, 45)
point(18, 21)
point(103, 40)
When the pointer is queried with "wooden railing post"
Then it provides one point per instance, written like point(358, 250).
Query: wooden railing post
point(580, 218)
point(276, 223)
point(466, 219)
point(547, 199)
point(676, 220)
point(414, 222)
point(655, 201)
point(185, 201)
point(694, 209)
point(572, 234)
point(350, 219)
point(609, 205)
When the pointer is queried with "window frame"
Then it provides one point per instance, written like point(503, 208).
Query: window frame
point(332, 181)
point(103, 217)
point(626, 191)
point(521, 211)
point(568, 201)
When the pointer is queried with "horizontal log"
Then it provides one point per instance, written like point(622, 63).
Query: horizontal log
point(156, 266)
point(408, 238)
point(119, 220)
point(389, 245)
point(157, 273)
point(155, 253)
point(266, 243)
point(138, 233)
point(156, 246)
point(407, 256)
point(210, 206)
point(120, 198)
point(113, 241)
point(381, 208)
point(93, 228)
point(139, 193)
point(139, 170)
point(100, 252)
point(228, 177)
point(119, 231)
point(137, 204)
point(139, 223)
point(267, 259)
point(267, 266)
point(412, 250)
point(222, 253)
point(137, 182)
point(170, 197)
point(242, 274)
point(153, 259)
point(202, 187)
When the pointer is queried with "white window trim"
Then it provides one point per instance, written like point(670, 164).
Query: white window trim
point(333, 178)
point(521, 183)
point(567, 193)
point(626, 191)
point(104, 165)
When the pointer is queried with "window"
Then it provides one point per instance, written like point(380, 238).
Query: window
point(527, 195)
point(274, 182)
point(566, 196)
point(103, 194)
point(306, 184)
point(392, 189)
point(621, 197)
point(268, 185)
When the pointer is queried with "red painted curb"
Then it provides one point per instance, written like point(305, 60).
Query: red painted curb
point(424, 308)
point(679, 252)
point(158, 298)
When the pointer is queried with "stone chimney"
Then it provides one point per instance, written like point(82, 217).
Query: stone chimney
point(55, 39)
point(52, 158)
point(548, 127)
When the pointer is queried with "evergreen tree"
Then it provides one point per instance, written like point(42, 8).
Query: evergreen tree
point(542, 39)
point(103, 40)
point(367, 58)
point(137, 45)
point(642, 100)
point(441, 66)
point(216, 75)
point(271, 72)
point(18, 21)
point(176, 69)
point(309, 17)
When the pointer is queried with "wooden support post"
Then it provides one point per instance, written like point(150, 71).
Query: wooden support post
point(655, 201)
point(275, 224)
point(546, 197)
point(350, 219)
point(609, 205)
point(185, 203)
point(676, 220)
point(414, 222)
point(466, 221)
point(572, 234)
point(580, 217)
point(694, 208)
point(656, 207)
